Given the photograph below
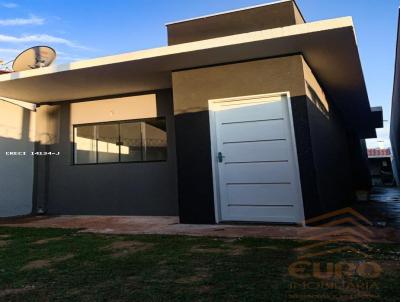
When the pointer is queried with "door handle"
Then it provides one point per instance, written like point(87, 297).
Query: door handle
point(220, 157)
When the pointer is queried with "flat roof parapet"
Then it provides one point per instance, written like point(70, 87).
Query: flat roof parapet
point(249, 19)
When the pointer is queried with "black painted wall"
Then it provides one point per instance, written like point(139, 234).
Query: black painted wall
point(359, 163)
point(325, 161)
point(147, 188)
point(326, 171)
point(330, 143)
point(309, 186)
point(194, 168)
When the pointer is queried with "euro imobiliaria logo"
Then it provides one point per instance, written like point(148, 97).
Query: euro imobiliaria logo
point(336, 259)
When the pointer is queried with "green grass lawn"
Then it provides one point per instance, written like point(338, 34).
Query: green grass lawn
point(65, 265)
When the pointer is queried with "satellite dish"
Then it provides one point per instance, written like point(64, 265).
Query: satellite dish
point(34, 57)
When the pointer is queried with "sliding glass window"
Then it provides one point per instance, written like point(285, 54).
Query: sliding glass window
point(85, 144)
point(107, 143)
point(131, 141)
point(122, 141)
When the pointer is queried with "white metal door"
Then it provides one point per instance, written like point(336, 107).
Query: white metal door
point(254, 159)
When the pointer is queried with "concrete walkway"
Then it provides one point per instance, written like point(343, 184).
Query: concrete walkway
point(171, 226)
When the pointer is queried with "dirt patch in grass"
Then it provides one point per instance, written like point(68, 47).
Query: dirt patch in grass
point(74, 291)
point(3, 243)
point(14, 291)
point(268, 247)
point(47, 240)
point(36, 264)
point(105, 284)
point(62, 258)
point(204, 289)
point(4, 236)
point(42, 263)
point(204, 249)
point(389, 265)
point(124, 248)
point(229, 240)
point(237, 250)
point(198, 276)
point(190, 279)
point(233, 249)
point(133, 279)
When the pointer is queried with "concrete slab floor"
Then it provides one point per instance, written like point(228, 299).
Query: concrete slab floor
point(382, 208)
point(171, 226)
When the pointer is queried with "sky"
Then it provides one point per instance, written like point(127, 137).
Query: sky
point(91, 28)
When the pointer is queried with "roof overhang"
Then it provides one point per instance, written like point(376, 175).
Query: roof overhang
point(26, 105)
point(328, 46)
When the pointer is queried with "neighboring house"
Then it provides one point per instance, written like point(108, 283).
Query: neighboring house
point(248, 115)
point(395, 115)
point(380, 166)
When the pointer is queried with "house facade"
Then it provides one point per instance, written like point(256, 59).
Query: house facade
point(247, 115)
point(395, 113)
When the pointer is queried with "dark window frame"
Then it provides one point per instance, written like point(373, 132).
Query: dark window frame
point(118, 122)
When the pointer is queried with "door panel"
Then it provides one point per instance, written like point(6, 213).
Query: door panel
point(260, 194)
point(257, 178)
point(258, 172)
point(262, 214)
point(230, 112)
point(256, 151)
point(249, 131)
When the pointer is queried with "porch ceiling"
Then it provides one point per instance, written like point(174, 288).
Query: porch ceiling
point(328, 46)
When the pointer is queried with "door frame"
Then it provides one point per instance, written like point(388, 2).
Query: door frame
point(212, 104)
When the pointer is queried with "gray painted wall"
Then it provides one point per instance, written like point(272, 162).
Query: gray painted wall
point(395, 112)
point(16, 172)
point(147, 188)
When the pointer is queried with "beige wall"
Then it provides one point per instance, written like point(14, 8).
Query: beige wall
point(116, 109)
point(298, 16)
point(96, 111)
point(193, 88)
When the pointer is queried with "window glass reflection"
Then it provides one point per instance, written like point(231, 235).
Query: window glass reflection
point(125, 141)
point(154, 140)
point(131, 141)
point(107, 143)
point(85, 145)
